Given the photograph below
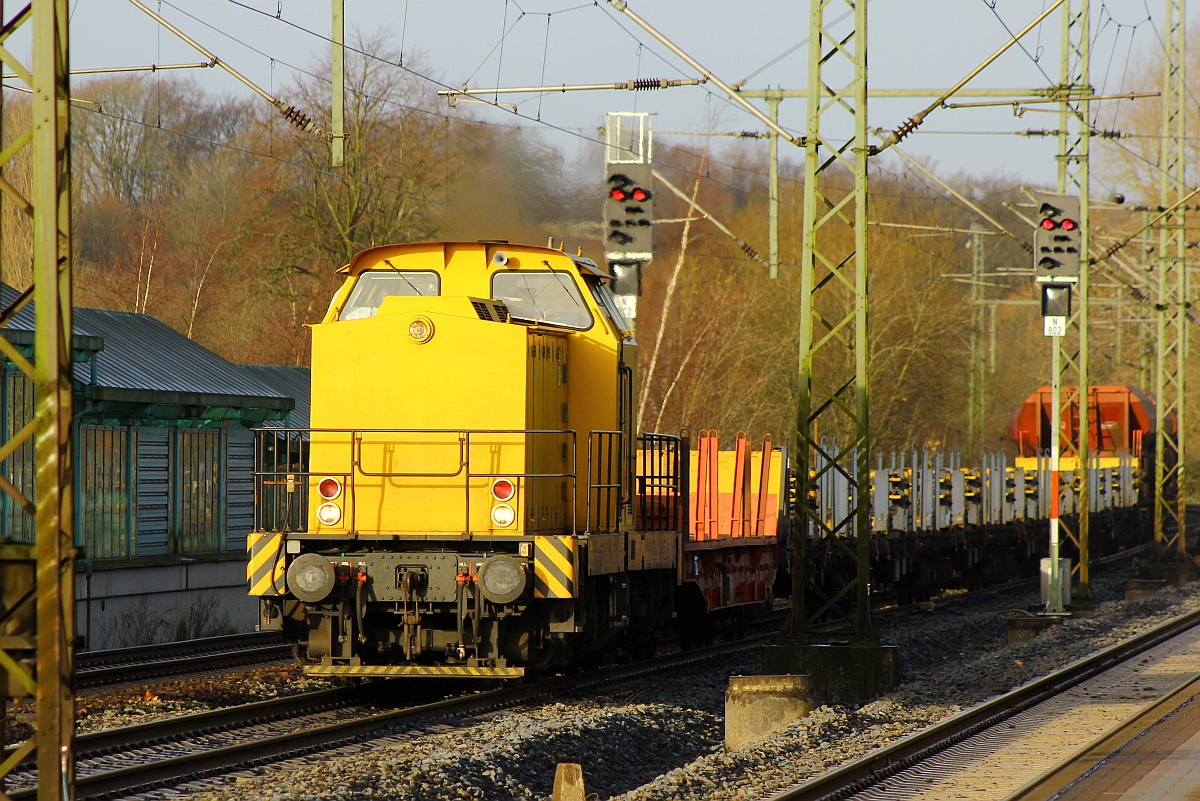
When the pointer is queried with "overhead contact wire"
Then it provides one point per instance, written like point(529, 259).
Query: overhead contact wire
point(579, 134)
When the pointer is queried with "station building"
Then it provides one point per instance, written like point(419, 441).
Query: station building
point(163, 472)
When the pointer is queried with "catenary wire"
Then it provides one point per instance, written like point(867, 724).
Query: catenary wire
point(578, 133)
point(537, 120)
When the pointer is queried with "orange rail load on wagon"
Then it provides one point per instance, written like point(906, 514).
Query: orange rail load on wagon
point(735, 493)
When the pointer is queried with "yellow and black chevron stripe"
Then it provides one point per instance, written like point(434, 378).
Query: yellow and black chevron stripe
point(266, 568)
point(554, 567)
point(454, 671)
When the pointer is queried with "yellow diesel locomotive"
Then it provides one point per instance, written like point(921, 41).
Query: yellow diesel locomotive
point(472, 498)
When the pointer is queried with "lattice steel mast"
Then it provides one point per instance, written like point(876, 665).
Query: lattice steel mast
point(1171, 363)
point(833, 390)
point(1071, 356)
point(36, 657)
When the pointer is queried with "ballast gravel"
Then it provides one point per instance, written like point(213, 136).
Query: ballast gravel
point(663, 739)
point(131, 704)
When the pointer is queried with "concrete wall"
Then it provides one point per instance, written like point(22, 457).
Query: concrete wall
point(139, 605)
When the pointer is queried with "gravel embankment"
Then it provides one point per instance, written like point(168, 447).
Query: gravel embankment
point(663, 740)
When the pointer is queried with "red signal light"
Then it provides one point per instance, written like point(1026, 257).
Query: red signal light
point(1068, 224)
point(1050, 225)
point(618, 194)
point(640, 194)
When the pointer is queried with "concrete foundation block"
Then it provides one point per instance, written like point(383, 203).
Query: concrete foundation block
point(758, 706)
point(1022, 628)
point(1174, 573)
point(1137, 589)
point(1064, 577)
point(856, 672)
point(1082, 609)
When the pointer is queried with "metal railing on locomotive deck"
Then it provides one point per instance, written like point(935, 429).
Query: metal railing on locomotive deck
point(282, 475)
point(656, 494)
point(289, 513)
point(280, 469)
point(663, 483)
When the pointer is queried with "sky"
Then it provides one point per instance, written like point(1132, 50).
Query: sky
point(488, 43)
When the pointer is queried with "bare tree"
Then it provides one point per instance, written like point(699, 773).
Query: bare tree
point(383, 192)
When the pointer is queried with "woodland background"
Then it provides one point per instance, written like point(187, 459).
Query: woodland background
point(216, 216)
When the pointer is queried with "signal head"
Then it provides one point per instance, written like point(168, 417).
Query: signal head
point(629, 212)
point(1057, 243)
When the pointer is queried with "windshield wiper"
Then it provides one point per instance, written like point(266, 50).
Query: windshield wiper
point(565, 284)
point(404, 278)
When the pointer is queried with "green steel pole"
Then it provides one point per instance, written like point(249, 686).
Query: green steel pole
point(976, 374)
point(773, 193)
point(338, 142)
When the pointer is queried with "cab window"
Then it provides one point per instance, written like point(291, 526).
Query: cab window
point(542, 297)
point(605, 300)
point(373, 286)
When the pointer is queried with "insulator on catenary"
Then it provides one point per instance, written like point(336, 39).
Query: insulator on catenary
point(301, 120)
point(647, 83)
point(296, 117)
point(897, 136)
point(749, 250)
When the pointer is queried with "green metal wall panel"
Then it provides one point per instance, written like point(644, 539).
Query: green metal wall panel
point(199, 490)
point(153, 491)
point(104, 492)
point(16, 399)
point(239, 506)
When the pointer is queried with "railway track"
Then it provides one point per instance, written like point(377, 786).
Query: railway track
point(108, 668)
point(127, 760)
point(95, 669)
point(993, 749)
point(332, 718)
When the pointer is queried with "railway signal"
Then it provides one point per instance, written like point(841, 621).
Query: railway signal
point(629, 213)
point(1057, 260)
point(1056, 240)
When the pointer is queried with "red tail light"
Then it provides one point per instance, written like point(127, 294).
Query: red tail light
point(503, 489)
point(329, 488)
